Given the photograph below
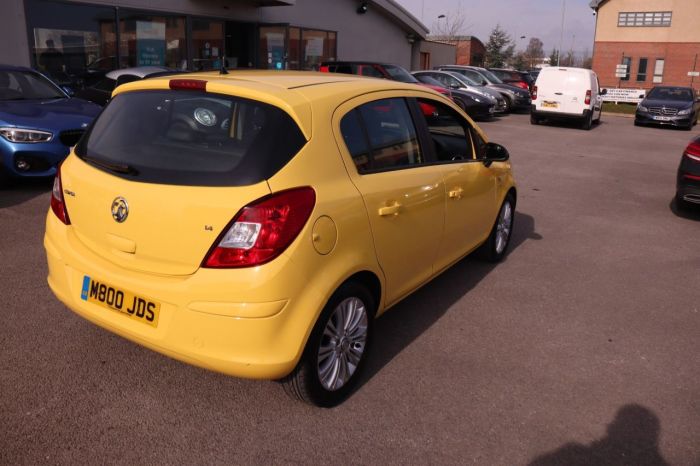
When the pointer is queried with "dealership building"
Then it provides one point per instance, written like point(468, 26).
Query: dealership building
point(658, 41)
point(69, 39)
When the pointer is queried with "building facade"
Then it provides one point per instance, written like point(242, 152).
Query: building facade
point(75, 41)
point(658, 40)
point(469, 50)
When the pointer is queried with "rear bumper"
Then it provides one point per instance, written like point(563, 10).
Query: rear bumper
point(207, 319)
point(554, 115)
point(688, 189)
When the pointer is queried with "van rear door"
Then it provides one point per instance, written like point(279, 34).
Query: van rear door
point(562, 90)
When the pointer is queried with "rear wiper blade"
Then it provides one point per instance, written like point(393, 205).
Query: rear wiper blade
point(115, 167)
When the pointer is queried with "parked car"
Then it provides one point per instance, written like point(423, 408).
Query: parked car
point(39, 122)
point(521, 79)
point(201, 219)
point(669, 105)
point(477, 106)
point(516, 98)
point(564, 93)
point(377, 70)
point(101, 91)
point(688, 180)
point(459, 82)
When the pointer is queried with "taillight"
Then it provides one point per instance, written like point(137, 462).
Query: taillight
point(58, 204)
point(693, 151)
point(324, 69)
point(522, 85)
point(262, 230)
point(188, 84)
point(588, 97)
point(534, 93)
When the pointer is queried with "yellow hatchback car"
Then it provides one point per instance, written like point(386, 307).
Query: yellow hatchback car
point(256, 223)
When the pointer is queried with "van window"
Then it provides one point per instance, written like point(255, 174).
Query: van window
point(191, 138)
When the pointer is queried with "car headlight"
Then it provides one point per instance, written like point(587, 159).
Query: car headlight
point(25, 135)
point(685, 111)
point(642, 108)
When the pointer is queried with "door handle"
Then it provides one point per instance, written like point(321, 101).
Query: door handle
point(390, 210)
point(456, 193)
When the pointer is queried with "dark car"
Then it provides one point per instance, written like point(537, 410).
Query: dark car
point(455, 81)
point(669, 105)
point(39, 122)
point(516, 98)
point(377, 70)
point(101, 91)
point(688, 181)
point(521, 79)
point(477, 106)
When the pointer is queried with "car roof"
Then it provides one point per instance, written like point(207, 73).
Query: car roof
point(139, 71)
point(356, 62)
point(295, 92)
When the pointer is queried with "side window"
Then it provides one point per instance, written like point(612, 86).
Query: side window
point(369, 70)
point(355, 140)
point(449, 132)
point(391, 141)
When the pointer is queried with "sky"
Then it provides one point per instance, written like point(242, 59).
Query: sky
point(533, 18)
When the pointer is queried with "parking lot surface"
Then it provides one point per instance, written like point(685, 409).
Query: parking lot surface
point(581, 347)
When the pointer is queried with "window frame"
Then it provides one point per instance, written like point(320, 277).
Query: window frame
point(644, 18)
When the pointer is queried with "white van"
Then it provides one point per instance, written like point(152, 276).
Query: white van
point(567, 93)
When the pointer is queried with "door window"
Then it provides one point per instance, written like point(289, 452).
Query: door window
point(380, 135)
point(448, 131)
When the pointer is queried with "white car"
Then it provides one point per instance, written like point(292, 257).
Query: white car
point(563, 93)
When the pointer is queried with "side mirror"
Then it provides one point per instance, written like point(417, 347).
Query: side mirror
point(603, 91)
point(455, 86)
point(495, 153)
point(68, 90)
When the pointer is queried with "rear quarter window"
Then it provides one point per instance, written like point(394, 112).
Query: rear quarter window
point(191, 138)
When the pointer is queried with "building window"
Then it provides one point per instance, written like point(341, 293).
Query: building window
point(149, 40)
point(73, 44)
point(207, 44)
point(644, 19)
point(642, 70)
point(659, 70)
point(316, 47)
point(628, 62)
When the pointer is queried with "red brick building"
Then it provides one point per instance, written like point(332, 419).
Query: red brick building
point(470, 50)
point(658, 40)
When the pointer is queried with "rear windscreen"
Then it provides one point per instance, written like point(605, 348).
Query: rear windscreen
point(191, 138)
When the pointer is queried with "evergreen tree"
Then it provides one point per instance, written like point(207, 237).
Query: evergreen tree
point(499, 49)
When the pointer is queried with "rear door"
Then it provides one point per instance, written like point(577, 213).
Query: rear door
point(470, 201)
point(161, 174)
point(403, 195)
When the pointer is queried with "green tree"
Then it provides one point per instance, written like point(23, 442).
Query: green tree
point(500, 48)
point(553, 57)
point(520, 62)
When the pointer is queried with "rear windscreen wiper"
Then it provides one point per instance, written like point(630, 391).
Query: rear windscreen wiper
point(115, 167)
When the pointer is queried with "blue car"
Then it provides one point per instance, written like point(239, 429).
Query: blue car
point(39, 122)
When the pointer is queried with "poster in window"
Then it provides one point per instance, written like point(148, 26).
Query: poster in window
point(275, 50)
point(150, 43)
point(314, 47)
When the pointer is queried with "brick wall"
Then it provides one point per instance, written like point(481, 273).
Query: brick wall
point(678, 59)
point(470, 52)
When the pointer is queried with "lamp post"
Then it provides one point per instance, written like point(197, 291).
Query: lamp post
point(561, 34)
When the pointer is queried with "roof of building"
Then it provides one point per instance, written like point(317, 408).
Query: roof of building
point(455, 39)
point(412, 24)
point(595, 4)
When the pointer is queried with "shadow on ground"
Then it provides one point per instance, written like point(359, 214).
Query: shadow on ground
point(406, 321)
point(632, 439)
point(19, 191)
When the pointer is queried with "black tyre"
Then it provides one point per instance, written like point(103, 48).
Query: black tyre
point(337, 349)
point(682, 204)
point(495, 247)
point(534, 120)
point(587, 122)
point(509, 104)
